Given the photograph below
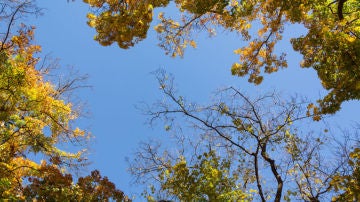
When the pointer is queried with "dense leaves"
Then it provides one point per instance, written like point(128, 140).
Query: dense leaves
point(330, 46)
point(124, 22)
point(208, 180)
point(56, 186)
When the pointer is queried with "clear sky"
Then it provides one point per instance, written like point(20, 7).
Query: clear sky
point(122, 78)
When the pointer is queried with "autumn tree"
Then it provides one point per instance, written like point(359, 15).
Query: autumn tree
point(273, 156)
point(330, 45)
point(36, 121)
point(33, 118)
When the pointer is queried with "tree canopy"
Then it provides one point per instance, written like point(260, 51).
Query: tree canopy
point(330, 46)
point(36, 120)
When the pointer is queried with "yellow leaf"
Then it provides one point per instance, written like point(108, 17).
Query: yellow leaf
point(193, 44)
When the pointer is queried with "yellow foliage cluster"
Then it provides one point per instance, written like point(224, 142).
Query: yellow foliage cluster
point(124, 22)
point(208, 179)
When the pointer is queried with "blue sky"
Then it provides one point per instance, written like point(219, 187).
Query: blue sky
point(122, 78)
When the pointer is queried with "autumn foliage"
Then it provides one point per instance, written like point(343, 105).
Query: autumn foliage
point(33, 118)
point(54, 185)
point(330, 45)
point(35, 121)
point(247, 148)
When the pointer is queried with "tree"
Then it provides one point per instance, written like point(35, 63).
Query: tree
point(33, 117)
point(330, 45)
point(36, 120)
point(263, 138)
